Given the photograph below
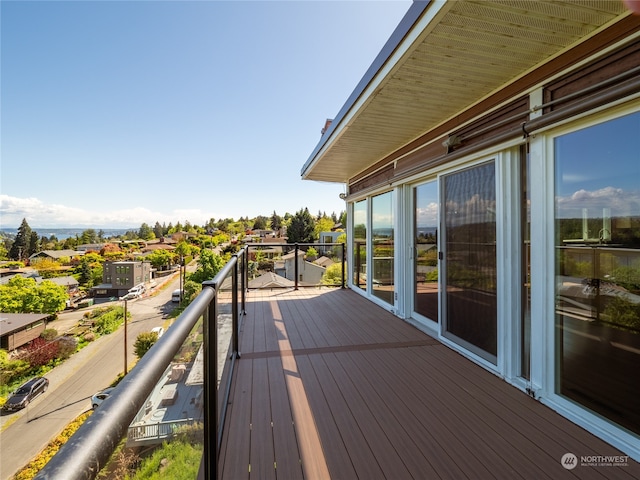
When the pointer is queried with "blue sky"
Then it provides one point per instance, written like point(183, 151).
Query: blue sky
point(116, 113)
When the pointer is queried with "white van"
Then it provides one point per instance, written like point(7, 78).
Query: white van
point(175, 296)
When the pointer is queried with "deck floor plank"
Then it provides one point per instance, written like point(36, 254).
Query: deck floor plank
point(287, 460)
point(262, 449)
point(235, 456)
point(386, 400)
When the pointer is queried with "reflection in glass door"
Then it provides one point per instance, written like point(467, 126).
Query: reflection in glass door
point(425, 200)
point(597, 230)
point(382, 233)
point(470, 283)
point(360, 244)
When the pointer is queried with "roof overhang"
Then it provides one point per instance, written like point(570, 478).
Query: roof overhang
point(444, 57)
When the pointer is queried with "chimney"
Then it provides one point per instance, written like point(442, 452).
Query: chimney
point(327, 124)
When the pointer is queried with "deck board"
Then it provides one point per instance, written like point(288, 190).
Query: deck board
point(336, 387)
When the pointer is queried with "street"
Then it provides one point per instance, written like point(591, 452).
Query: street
point(25, 433)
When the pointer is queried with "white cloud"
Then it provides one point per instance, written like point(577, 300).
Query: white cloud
point(620, 202)
point(39, 214)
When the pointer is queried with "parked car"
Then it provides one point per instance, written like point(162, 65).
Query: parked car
point(130, 296)
point(100, 397)
point(159, 331)
point(176, 296)
point(25, 393)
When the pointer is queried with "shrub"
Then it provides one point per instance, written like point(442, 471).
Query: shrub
point(144, 342)
point(49, 334)
point(108, 322)
point(39, 352)
point(67, 346)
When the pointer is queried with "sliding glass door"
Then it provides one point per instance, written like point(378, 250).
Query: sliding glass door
point(469, 263)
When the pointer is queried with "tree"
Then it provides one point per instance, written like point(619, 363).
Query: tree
point(47, 267)
point(276, 221)
point(191, 290)
point(88, 236)
point(20, 246)
point(161, 258)
point(183, 249)
point(260, 223)
point(324, 224)
point(158, 230)
point(24, 295)
point(34, 244)
point(332, 275)
point(144, 342)
point(209, 264)
point(145, 232)
point(302, 228)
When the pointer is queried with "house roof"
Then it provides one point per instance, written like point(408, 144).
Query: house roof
point(10, 322)
point(67, 281)
point(443, 58)
point(57, 253)
point(324, 261)
point(270, 279)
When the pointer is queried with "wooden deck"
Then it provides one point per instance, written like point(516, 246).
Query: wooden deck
point(331, 386)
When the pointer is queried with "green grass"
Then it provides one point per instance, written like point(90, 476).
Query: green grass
point(182, 462)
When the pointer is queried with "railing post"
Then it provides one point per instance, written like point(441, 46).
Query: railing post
point(295, 266)
point(245, 279)
point(210, 334)
point(234, 309)
point(343, 264)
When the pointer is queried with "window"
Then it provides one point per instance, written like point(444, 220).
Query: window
point(597, 240)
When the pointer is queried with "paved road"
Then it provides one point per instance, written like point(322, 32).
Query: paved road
point(27, 432)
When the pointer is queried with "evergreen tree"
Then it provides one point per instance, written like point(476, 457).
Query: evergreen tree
point(158, 230)
point(145, 232)
point(301, 229)
point(89, 236)
point(19, 249)
point(276, 221)
point(34, 244)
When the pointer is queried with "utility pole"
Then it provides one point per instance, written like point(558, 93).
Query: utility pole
point(125, 337)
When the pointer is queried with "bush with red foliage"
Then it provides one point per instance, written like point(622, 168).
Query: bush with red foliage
point(40, 352)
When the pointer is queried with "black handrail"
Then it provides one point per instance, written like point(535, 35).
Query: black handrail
point(90, 448)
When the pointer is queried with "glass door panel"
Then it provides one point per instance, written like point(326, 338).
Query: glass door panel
point(597, 227)
point(360, 244)
point(426, 250)
point(469, 200)
point(382, 232)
